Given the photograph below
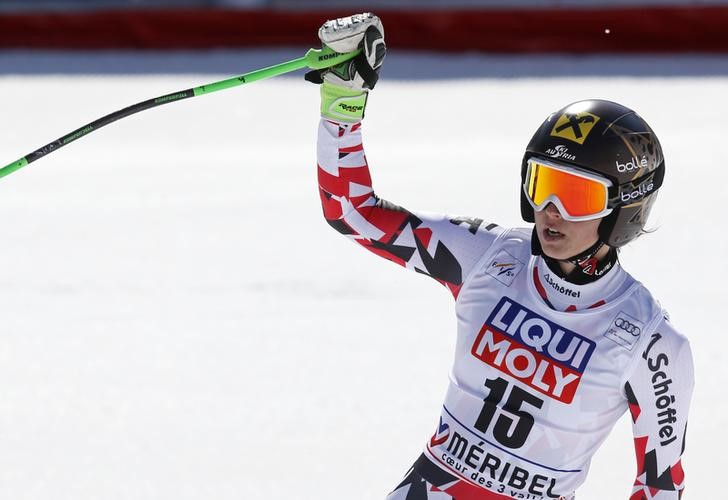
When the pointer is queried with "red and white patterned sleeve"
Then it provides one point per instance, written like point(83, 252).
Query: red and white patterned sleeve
point(444, 248)
point(658, 392)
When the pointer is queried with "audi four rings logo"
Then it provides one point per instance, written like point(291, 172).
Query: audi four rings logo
point(628, 327)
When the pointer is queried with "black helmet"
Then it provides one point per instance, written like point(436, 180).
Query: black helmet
point(611, 141)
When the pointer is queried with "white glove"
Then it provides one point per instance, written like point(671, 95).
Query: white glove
point(346, 34)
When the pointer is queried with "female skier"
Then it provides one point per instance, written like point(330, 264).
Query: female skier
point(555, 341)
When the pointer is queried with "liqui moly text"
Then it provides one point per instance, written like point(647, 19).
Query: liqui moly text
point(533, 349)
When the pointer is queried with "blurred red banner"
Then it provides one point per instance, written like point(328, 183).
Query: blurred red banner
point(568, 30)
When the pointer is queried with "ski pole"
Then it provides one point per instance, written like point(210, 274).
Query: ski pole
point(314, 59)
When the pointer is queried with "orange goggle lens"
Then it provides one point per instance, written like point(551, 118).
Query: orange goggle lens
point(580, 195)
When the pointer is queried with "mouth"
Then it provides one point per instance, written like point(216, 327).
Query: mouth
point(550, 234)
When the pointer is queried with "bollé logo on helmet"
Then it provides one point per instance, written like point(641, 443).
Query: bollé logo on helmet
point(574, 126)
point(634, 195)
point(633, 164)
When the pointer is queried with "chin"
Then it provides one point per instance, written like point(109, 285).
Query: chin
point(555, 251)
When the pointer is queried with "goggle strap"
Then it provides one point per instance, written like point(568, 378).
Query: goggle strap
point(634, 191)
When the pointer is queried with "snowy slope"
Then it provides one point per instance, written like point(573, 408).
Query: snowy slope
point(178, 322)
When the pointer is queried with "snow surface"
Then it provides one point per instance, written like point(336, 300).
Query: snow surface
point(178, 322)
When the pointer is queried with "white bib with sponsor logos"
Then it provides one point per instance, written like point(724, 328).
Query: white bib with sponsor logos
point(534, 391)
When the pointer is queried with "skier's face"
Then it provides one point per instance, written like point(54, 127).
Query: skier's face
point(560, 238)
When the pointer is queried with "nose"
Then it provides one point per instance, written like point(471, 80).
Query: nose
point(552, 211)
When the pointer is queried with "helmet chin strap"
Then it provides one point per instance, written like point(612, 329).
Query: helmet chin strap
point(587, 268)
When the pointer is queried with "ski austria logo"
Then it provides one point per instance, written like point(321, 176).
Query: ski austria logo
point(547, 357)
point(560, 151)
point(441, 434)
point(504, 267)
point(624, 330)
point(574, 126)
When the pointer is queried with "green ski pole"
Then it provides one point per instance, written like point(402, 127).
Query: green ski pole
point(314, 59)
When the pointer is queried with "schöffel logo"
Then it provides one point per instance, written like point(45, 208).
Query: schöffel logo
point(536, 351)
point(574, 126)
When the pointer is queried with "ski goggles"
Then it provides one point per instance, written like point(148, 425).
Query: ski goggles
point(577, 194)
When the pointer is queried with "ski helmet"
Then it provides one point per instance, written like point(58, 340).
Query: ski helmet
point(614, 142)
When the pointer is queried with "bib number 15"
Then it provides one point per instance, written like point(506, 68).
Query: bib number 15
point(513, 423)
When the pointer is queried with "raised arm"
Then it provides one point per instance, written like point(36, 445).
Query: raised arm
point(445, 248)
point(659, 391)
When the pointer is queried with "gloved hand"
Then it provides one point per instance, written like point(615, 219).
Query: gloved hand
point(345, 86)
